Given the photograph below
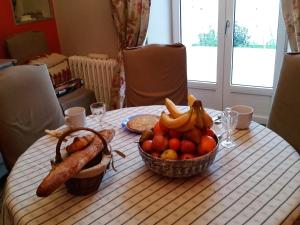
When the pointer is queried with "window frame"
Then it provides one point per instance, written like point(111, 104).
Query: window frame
point(225, 48)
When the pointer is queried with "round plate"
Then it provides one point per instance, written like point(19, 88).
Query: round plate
point(139, 123)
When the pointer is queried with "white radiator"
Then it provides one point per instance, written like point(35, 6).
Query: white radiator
point(97, 75)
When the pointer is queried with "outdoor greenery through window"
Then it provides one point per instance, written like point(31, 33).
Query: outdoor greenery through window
point(253, 44)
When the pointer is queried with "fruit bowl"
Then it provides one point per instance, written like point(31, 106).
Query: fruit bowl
point(179, 168)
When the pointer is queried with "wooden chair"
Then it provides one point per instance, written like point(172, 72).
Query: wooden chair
point(285, 113)
point(28, 107)
point(154, 72)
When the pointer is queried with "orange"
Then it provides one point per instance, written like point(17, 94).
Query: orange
point(207, 144)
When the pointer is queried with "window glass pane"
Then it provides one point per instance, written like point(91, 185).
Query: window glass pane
point(199, 27)
point(255, 37)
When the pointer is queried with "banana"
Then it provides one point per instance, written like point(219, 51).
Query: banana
point(196, 117)
point(175, 113)
point(191, 99)
point(197, 106)
point(172, 123)
point(204, 120)
point(208, 121)
point(190, 124)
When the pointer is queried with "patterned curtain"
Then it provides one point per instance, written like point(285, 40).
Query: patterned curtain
point(131, 19)
point(291, 14)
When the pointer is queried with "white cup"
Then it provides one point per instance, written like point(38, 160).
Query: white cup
point(245, 114)
point(75, 117)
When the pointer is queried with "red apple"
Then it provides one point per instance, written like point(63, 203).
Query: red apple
point(188, 146)
point(147, 146)
point(187, 156)
point(209, 132)
point(159, 143)
point(174, 143)
point(207, 144)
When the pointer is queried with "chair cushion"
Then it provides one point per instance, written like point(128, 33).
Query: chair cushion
point(57, 65)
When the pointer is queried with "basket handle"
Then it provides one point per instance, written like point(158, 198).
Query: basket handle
point(58, 157)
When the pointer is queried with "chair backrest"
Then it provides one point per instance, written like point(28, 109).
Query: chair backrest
point(285, 113)
point(23, 46)
point(154, 72)
point(28, 107)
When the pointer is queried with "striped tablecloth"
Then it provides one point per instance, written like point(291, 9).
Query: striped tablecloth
point(257, 182)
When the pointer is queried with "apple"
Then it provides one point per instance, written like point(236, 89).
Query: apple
point(207, 144)
point(188, 146)
point(147, 146)
point(209, 132)
point(169, 154)
point(159, 143)
point(174, 143)
point(187, 156)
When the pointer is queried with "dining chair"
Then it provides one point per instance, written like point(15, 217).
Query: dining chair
point(154, 72)
point(28, 107)
point(284, 118)
point(30, 47)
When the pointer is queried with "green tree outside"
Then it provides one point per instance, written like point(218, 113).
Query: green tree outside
point(241, 39)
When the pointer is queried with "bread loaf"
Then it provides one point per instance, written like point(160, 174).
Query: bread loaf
point(72, 164)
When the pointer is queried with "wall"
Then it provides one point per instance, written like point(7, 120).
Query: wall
point(8, 28)
point(86, 27)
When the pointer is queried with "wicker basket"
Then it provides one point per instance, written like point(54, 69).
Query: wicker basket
point(89, 178)
point(179, 168)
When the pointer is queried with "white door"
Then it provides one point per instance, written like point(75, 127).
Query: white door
point(234, 50)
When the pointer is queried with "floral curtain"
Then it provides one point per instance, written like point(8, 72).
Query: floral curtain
point(131, 19)
point(291, 14)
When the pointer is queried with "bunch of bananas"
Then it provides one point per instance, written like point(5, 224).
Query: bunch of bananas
point(196, 116)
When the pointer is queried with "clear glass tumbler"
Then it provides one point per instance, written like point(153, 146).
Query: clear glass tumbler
point(229, 120)
point(98, 110)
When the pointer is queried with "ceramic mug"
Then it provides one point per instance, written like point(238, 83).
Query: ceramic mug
point(245, 114)
point(75, 117)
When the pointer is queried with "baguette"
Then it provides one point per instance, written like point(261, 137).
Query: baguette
point(72, 165)
point(80, 143)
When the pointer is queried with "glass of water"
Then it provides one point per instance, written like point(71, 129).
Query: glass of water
point(98, 110)
point(229, 120)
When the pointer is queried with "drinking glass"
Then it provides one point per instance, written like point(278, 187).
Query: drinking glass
point(229, 120)
point(98, 110)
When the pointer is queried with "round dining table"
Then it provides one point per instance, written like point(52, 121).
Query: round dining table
point(255, 182)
